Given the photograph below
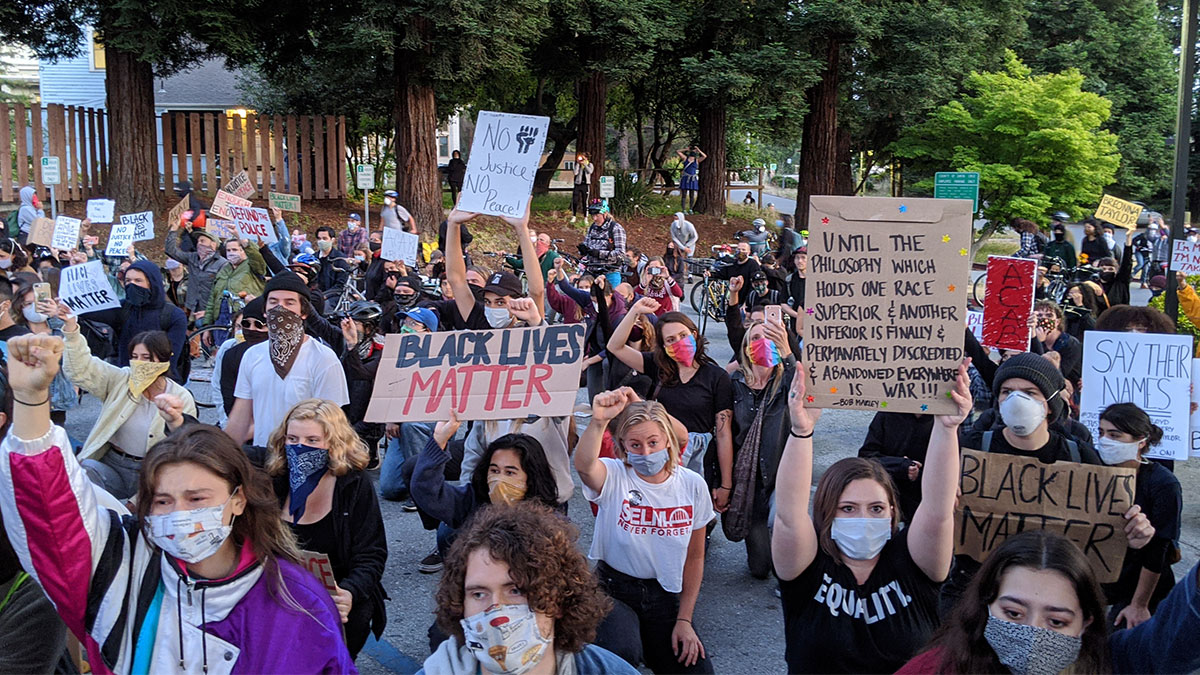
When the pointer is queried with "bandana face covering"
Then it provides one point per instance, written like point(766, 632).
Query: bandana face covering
point(763, 352)
point(285, 330)
point(142, 374)
point(306, 467)
point(505, 639)
point(1031, 650)
point(683, 351)
point(505, 489)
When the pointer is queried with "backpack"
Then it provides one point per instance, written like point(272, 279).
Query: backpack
point(101, 337)
point(13, 224)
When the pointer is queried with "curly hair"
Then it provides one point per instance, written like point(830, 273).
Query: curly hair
point(346, 450)
point(1127, 318)
point(538, 545)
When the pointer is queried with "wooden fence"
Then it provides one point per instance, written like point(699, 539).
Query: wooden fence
point(299, 154)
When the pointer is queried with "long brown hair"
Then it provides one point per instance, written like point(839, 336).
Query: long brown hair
point(668, 370)
point(829, 493)
point(747, 366)
point(966, 650)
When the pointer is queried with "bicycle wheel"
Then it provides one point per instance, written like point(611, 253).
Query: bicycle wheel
point(698, 297)
point(978, 288)
point(718, 299)
point(203, 346)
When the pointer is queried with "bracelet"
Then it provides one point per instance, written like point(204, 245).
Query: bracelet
point(725, 487)
point(688, 621)
point(31, 405)
point(793, 434)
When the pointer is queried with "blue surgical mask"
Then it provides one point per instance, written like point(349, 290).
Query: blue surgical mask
point(648, 464)
point(861, 538)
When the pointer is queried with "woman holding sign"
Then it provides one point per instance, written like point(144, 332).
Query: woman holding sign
point(860, 596)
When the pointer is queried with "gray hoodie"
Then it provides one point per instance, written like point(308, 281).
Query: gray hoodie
point(683, 233)
point(28, 213)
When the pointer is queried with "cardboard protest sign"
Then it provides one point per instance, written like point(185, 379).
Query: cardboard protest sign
point(85, 288)
point(41, 232)
point(1186, 257)
point(480, 374)
point(887, 282)
point(143, 224)
point(1118, 212)
point(220, 205)
point(1008, 302)
point(399, 245)
point(1154, 372)
point(321, 568)
point(66, 233)
point(100, 210)
point(240, 186)
point(505, 155)
point(1195, 413)
point(284, 202)
point(177, 211)
point(253, 224)
point(1003, 495)
point(119, 239)
point(975, 323)
point(221, 229)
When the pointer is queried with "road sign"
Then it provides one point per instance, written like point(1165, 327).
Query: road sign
point(50, 172)
point(773, 167)
point(957, 185)
point(365, 174)
point(608, 187)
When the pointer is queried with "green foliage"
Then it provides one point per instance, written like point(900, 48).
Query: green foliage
point(632, 198)
point(1037, 142)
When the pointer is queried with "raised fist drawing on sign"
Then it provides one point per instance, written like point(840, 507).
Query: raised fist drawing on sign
point(525, 138)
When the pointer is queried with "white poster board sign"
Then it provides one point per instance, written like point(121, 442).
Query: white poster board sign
point(1153, 372)
point(119, 239)
point(143, 224)
point(400, 245)
point(975, 323)
point(505, 155)
point(1194, 436)
point(1186, 257)
point(253, 223)
point(66, 233)
point(85, 288)
point(100, 210)
point(240, 186)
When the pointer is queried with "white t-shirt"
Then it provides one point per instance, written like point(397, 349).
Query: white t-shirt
point(316, 373)
point(643, 529)
point(133, 435)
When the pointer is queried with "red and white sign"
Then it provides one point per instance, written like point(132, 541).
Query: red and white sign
point(220, 205)
point(253, 223)
point(1008, 302)
point(1186, 257)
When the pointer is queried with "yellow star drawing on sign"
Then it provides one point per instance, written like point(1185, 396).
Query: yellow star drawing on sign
point(962, 251)
point(945, 237)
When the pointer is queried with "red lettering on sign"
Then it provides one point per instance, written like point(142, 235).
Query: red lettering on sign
point(538, 374)
point(419, 385)
point(513, 379)
point(1008, 302)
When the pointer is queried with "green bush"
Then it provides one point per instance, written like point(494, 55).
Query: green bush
point(1184, 325)
point(631, 197)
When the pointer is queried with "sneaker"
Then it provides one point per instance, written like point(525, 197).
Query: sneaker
point(431, 564)
point(573, 219)
point(409, 505)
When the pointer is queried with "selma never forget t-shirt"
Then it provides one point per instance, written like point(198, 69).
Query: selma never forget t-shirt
point(643, 529)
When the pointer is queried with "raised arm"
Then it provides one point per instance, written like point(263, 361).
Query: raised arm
point(533, 271)
point(448, 502)
point(794, 540)
point(606, 406)
point(617, 344)
point(456, 267)
point(94, 375)
point(931, 541)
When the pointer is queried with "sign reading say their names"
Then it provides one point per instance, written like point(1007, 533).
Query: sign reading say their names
point(399, 245)
point(220, 205)
point(119, 239)
point(479, 374)
point(85, 288)
point(1002, 495)
point(886, 302)
point(284, 201)
point(1154, 372)
point(1186, 257)
point(1118, 212)
point(100, 210)
point(253, 223)
point(66, 233)
point(1008, 302)
point(143, 224)
point(240, 186)
point(505, 155)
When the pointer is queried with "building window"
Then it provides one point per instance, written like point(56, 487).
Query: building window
point(97, 52)
point(443, 147)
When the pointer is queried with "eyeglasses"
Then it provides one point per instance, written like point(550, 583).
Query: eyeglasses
point(253, 324)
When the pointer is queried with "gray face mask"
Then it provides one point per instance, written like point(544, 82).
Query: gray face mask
point(648, 465)
point(1031, 650)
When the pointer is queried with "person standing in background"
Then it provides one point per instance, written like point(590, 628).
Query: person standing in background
point(583, 181)
point(31, 209)
point(456, 171)
point(395, 216)
point(689, 179)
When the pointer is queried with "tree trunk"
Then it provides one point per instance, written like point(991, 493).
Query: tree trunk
point(819, 165)
point(623, 149)
point(560, 136)
point(417, 179)
point(711, 197)
point(593, 124)
point(132, 169)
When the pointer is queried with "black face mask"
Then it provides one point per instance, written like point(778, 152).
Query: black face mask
point(1108, 276)
point(477, 291)
point(1058, 236)
point(406, 301)
point(254, 336)
point(136, 296)
point(375, 246)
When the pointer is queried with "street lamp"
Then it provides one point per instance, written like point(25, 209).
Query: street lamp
point(1183, 135)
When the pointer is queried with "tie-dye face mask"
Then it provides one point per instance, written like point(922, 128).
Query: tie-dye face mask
point(763, 352)
point(683, 351)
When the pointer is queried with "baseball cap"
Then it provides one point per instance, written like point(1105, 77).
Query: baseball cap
point(424, 315)
point(172, 264)
point(758, 276)
point(354, 216)
point(504, 283)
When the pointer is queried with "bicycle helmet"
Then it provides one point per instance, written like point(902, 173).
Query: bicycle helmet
point(1061, 216)
point(307, 260)
point(364, 310)
point(392, 193)
point(759, 223)
point(597, 206)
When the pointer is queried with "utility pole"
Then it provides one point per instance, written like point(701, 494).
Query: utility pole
point(1183, 137)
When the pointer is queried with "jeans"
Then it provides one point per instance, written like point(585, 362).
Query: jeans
point(117, 474)
point(413, 437)
point(1142, 265)
point(643, 615)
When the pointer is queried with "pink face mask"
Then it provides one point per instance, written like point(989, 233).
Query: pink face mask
point(540, 248)
point(683, 351)
point(763, 352)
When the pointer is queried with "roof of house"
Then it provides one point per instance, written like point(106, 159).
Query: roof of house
point(207, 85)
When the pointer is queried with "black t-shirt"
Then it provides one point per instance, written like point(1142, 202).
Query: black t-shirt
point(834, 625)
point(796, 290)
point(1055, 450)
point(15, 330)
point(476, 321)
point(696, 402)
point(1161, 499)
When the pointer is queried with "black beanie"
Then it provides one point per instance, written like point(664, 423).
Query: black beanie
point(256, 309)
point(1038, 370)
point(288, 281)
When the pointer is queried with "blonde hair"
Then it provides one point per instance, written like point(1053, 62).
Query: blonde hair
point(645, 411)
point(743, 358)
point(346, 450)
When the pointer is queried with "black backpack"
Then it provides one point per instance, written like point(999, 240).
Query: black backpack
point(101, 337)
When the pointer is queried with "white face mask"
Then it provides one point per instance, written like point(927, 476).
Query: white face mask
point(497, 317)
point(1113, 451)
point(191, 535)
point(1022, 413)
point(352, 226)
point(861, 538)
point(5, 263)
point(505, 639)
point(32, 315)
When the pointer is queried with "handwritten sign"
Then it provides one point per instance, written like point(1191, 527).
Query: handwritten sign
point(1008, 302)
point(321, 568)
point(975, 323)
point(1154, 372)
point(100, 210)
point(481, 374)
point(253, 223)
point(887, 282)
point(143, 224)
point(1003, 495)
point(1186, 257)
point(221, 229)
point(220, 205)
point(399, 245)
point(85, 288)
point(505, 155)
point(1118, 212)
point(177, 211)
point(284, 201)
point(1195, 420)
point(240, 186)
point(66, 233)
point(119, 239)
point(41, 232)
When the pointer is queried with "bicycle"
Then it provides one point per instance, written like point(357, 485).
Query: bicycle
point(347, 296)
point(709, 298)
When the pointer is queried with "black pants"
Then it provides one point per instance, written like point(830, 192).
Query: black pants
point(454, 190)
point(579, 198)
point(641, 623)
